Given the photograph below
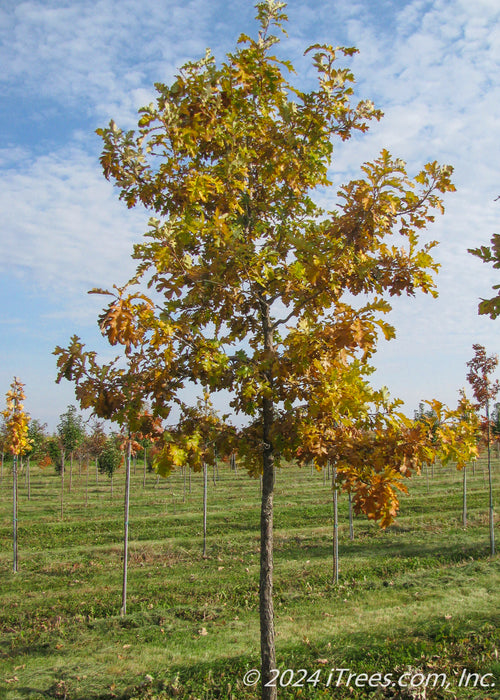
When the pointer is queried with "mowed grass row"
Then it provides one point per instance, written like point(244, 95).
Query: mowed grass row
point(423, 594)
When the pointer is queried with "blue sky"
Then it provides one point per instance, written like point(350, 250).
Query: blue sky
point(69, 66)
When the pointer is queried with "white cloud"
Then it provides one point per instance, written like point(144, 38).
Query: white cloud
point(101, 55)
point(67, 231)
point(10, 157)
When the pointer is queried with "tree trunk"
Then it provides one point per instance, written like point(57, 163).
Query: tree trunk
point(490, 482)
point(266, 607)
point(111, 485)
point(123, 610)
point(62, 484)
point(14, 512)
point(96, 471)
point(184, 484)
point(28, 475)
point(267, 643)
point(70, 471)
point(335, 572)
point(351, 522)
point(205, 485)
point(87, 483)
point(144, 473)
point(464, 509)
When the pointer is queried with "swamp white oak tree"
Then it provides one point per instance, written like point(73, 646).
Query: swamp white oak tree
point(250, 279)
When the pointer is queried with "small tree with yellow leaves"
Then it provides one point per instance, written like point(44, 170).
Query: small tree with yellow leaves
point(17, 443)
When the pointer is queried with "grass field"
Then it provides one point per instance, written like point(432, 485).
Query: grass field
point(421, 597)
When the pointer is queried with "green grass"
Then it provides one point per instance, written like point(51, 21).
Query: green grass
point(422, 595)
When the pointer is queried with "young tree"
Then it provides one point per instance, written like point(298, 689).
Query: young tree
point(17, 442)
point(110, 458)
point(3, 446)
point(53, 448)
point(37, 435)
point(467, 419)
point(95, 442)
point(70, 432)
point(485, 389)
point(248, 269)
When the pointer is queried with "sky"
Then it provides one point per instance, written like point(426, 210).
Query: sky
point(69, 66)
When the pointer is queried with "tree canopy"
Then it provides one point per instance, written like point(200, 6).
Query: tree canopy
point(17, 440)
point(253, 280)
point(70, 429)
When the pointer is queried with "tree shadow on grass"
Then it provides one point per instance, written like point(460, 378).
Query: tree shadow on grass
point(443, 554)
